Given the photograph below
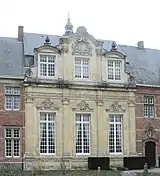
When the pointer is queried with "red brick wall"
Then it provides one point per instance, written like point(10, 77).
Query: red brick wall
point(11, 118)
point(141, 121)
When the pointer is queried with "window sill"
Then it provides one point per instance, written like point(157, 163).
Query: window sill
point(11, 157)
point(12, 110)
point(118, 155)
point(82, 154)
point(47, 77)
point(47, 154)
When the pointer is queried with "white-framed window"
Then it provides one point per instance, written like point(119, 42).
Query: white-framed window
point(149, 107)
point(12, 142)
point(47, 65)
point(115, 134)
point(114, 70)
point(82, 134)
point(12, 98)
point(47, 133)
point(82, 68)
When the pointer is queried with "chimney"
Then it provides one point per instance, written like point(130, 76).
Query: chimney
point(140, 45)
point(20, 33)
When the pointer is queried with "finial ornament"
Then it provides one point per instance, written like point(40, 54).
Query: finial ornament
point(47, 41)
point(114, 48)
point(68, 27)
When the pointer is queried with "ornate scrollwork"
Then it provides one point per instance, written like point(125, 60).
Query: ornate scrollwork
point(131, 80)
point(83, 106)
point(28, 74)
point(47, 104)
point(115, 107)
point(81, 47)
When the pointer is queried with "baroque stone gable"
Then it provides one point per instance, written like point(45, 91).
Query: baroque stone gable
point(115, 107)
point(82, 106)
point(47, 104)
point(81, 47)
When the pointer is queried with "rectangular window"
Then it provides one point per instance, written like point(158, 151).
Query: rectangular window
point(83, 134)
point(115, 134)
point(12, 142)
point(114, 70)
point(12, 98)
point(47, 133)
point(81, 68)
point(47, 65)
point(149, 109)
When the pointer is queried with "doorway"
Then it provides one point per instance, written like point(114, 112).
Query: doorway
point(150, 153)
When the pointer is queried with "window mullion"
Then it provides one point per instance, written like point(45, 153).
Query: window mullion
point(114, 71)
point(12, 143)
point(47, 134)
point(81, 68)
point(47, 65)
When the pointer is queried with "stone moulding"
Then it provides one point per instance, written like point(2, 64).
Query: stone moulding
point(82, 106)
point(47, 104)
point(65, 101)
point(115, 107)
point(99, 101)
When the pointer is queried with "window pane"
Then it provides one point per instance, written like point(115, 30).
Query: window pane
point(117, 74)
point(85, 72)
point(43, 58)
point(51, 70)
point(8, 90)
point(16, 91)
point(149, 110)
point(8, 133)
point(47, 133)
point(16, 133)
point(115, 133)
point(16, 102)
point(16, 146)
point(110, 63)
point(110, 73)
point(118, 64)
point(114, 70)
point(81, 67)
point(43, 69)
point(82, 134)
point(77, 71)
point(8, 148)
point(47, 65)
point(8, 102)
point(43, 137)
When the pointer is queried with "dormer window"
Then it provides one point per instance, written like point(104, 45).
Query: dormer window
point(114, 70)
point(47, 65)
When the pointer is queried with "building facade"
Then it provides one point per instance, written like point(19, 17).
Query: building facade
point(67, 98)
point(12, 131)
point(80, 101)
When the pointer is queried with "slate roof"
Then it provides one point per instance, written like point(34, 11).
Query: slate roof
point(11, 57)
point(143, 64)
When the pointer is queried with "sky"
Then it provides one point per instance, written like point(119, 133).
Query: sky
point(124, 21)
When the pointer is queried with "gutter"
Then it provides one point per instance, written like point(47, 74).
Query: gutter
point(11, 77)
